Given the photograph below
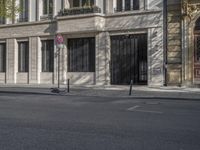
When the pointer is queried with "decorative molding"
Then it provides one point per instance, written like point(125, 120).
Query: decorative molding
point(190, 10)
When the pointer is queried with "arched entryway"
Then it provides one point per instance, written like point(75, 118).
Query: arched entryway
point(197, 52)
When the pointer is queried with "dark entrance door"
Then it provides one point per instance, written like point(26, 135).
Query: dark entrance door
point(197, 52)
point(129, 59)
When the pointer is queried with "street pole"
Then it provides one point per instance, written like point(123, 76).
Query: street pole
point(58, 68)
point(59, 41)
point(131, 85)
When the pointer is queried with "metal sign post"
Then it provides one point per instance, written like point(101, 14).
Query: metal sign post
point(59, 42)
point(58, 68)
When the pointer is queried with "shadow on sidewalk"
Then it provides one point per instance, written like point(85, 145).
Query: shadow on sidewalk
point(26, 93)
point(98, 96)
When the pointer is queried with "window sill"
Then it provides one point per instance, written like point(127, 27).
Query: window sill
point(46, 17)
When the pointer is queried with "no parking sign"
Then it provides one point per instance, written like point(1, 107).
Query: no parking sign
point(59, 41)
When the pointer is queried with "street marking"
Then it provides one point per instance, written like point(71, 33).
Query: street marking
point(133, 108)
point(149, 111)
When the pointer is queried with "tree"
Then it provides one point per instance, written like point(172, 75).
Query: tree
point(9, 9)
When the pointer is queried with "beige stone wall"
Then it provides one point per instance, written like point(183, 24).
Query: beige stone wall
point(174, 50)
point(100, 26)
point(43, 28)
point(2, 78)
point(189, 25)
point(180, 45)
point(34, 59)
point(11, 61)
point(22, 78)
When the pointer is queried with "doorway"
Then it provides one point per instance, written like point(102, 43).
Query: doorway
point(129, 59)
point(197, 51)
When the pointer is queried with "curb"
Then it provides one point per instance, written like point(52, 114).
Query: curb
point(96, 95)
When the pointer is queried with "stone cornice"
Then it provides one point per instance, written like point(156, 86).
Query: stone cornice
point(118, 14)
point(143, 12)
point(27, 23)
point(128, 13)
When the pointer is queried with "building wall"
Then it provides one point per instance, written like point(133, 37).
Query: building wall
point(174, 47)
point(149, 19)
point(189, 20)
point(181, 18)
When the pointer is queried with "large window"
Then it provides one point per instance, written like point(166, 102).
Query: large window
point(47, 7)
point(119, 5)
point(127, 5)
point(81, 55)
point(87, 2)
point(2, 57)
point(2, 20)
point(47, 55)
point(23, 56)
point(197, 41)
point(136, 5)
point(197, 51)
point(24, 11)
point(82, 3)
point(197, 25)
point(76, 3)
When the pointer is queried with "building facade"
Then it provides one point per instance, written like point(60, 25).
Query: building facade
point(183, 42)
point(105, 42)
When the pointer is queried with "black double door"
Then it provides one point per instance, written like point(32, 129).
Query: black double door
point(129, 59)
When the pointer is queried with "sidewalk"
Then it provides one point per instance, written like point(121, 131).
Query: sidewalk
point(109, 91)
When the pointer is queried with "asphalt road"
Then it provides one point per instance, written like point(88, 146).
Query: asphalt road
point(44, 122)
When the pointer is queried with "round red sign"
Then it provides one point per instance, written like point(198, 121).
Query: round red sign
point(59, 39)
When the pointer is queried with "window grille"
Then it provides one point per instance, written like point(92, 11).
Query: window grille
point(81, 55)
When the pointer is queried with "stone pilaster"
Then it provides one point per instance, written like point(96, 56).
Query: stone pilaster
point(39, 9)
point(54, 8)
point(155, 57)
point(174, 42)
point(102, 58)
point(29, 11)
point(11, 61)
point(146, 4)
point(142, 4)
point(34, 60)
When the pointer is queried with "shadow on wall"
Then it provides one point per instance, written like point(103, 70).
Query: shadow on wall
point(52, 28)
point(156, 4)
point(82, 78)
point(138, 22)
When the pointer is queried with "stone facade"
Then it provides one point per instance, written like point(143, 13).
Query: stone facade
point(182, 16)
point(148, 19)
point(174, 49)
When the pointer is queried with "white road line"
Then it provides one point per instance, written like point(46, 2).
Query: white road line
point(149, 111)
point(133, 108)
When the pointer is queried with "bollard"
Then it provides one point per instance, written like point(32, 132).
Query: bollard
point(68, 85)
point(131, 85)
